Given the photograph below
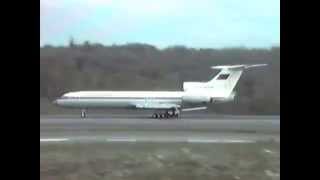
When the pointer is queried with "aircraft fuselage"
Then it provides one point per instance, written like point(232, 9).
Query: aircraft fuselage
point(119, 99)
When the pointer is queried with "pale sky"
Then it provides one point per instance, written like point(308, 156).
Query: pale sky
point(192, 23)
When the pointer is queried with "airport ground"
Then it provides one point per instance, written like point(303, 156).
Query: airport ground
point(132, 146)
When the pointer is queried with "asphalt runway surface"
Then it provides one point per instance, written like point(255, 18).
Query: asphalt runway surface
point(133, 146)
point(190, 128)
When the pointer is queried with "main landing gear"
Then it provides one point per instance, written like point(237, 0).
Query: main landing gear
point(83, 113)
point(167, 114)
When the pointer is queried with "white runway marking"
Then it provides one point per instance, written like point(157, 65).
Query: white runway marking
point(272, 174)
point(127, 139)
point(268, 151)
point(219, 141)
point(54, 140)
point(236, 177)
point(121, 140)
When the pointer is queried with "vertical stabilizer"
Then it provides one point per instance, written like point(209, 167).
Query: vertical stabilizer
point(225, 81)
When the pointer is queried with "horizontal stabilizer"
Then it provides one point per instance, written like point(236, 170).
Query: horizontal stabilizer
point(194, 109)
point(240, 66)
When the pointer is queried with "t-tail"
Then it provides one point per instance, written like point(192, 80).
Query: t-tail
point(222, 85)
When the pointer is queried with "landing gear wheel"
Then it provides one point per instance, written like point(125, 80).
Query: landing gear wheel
point(154, 115)
point(83, 113)
point(174, 113)
point(166, 115)
point(161, 116)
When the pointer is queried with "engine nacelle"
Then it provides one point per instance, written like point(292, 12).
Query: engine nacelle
point(193, 85)
point(190, 98)
point(228, 99)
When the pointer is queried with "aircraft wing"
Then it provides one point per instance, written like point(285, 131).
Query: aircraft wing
point(156, 106)
point(194, 108)
point(167, 106)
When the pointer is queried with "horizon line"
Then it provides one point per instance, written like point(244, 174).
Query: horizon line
point(276, 45)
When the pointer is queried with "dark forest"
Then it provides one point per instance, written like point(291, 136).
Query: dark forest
point(139, 66)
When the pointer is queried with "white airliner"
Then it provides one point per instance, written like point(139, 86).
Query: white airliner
point(166, 104)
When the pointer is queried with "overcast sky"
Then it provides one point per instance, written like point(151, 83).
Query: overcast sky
point(193, 23)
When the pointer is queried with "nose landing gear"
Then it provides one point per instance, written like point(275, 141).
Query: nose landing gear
point(83, 113)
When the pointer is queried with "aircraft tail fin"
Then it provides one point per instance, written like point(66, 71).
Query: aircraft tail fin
point(225, 81)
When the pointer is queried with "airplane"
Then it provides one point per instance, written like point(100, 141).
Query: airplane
point(165, 104)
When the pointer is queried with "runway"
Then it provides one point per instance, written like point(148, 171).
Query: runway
point(139, 128)
point(132, 146)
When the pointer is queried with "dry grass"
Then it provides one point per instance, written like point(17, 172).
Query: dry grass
point(164, 161)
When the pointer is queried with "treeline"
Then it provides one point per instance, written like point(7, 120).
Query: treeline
point(145, 67)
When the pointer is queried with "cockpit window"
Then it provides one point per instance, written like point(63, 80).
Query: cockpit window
point(223, 76)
